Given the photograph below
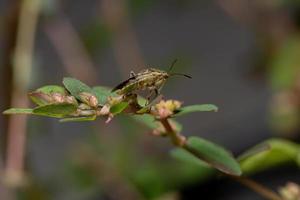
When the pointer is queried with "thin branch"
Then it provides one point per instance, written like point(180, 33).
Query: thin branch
point(9, 40)
point(180, 141)
point(22, 63)
point(177, 139)
point(258, 188)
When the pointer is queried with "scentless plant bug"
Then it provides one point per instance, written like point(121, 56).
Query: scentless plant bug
point(148, 79)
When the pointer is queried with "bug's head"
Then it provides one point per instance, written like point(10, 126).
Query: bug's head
point(169, 73)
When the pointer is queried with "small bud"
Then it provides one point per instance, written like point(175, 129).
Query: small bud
point(165, 109)
point(114, 100)
point(57, 97)
point(104, 110)
point(86, 112)
point(89, 99)
point(71, 100)
point(40, 98)
point(84, 106)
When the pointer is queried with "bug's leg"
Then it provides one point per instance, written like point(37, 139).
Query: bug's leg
point(132, 74)
point(156, 93)
point(149, 96)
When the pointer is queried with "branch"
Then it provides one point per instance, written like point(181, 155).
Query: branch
point(22, 63)
point(180, 141)
point(258, 188)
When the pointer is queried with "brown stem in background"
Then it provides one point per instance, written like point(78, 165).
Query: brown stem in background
point(9, 39)
point(125, 45)
point(258, 188)
point(71, 50)
point(9, 34)
point(180, 141)
point(22, 63)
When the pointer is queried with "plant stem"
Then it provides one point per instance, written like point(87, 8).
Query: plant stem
point(22, 63)
point(180, 141)
point(177, 139)
point(257, 187)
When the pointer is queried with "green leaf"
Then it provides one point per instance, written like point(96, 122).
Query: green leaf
point(18, 111)
point(214, 155)
point(75, 87)
point(280, 152)
point(102, 93)
point(260, 148)
point(196, 108)
point(185, 156)
point(48, 89)
point(37, 95)
point(79, 119)
point(55, 110)
point(118, 108)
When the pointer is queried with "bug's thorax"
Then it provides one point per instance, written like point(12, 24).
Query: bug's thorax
point(151, 78)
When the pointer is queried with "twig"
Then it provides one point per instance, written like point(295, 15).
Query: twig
point(9, 40)
point(258, 188)
point(180, 141)
point(177, 139)
point(22, 63)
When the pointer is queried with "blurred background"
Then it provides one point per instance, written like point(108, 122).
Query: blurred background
point(244, 57)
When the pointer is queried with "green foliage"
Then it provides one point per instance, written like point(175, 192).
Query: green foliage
point(50, 110)
point(75, 87)
point(47, 90)
point(187, 157)
point(102, 93)
point(279, 152)
point(79, 119)
point(99, 101)
point(196, 108)
point(18, 111)
point(118, 108)
point(55, 110)
point(214, 155)
point(260, 148)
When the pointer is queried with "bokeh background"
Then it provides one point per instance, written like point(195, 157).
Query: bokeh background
point(244, 57)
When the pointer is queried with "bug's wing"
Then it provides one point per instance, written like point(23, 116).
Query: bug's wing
point(121, 85)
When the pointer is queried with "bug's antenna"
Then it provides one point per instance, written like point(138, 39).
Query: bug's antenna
point(179, 74)
point(172, 65)
point(176, 74)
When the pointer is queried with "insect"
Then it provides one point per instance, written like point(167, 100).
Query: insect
point(148, 79)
